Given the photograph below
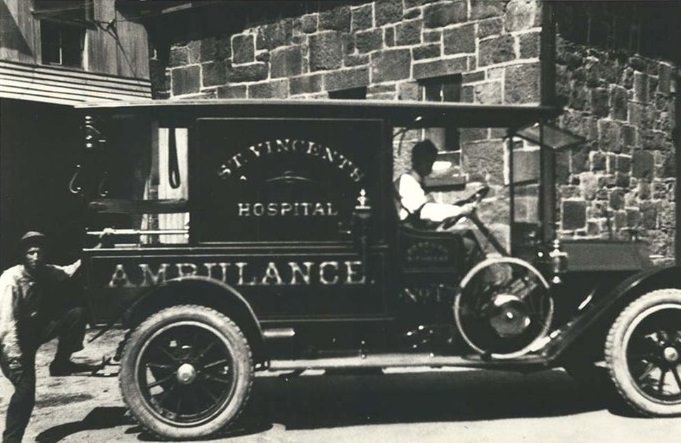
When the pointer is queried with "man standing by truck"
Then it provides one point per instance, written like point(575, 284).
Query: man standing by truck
point(32, 313)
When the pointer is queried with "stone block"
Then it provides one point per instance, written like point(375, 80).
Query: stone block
point(459, 40)
point(194, 50)
point(286, 62)
point(387, 11)
point(573, 214)
point(274, 35)
point(642, 165)
point(529, 45)
point(232, 91)
point(623, 164)
point(346, 79)
point(521, 84)
point(350, 60)
point(617, 199)
point(243, 49)
point(390, 65)
point(485, 9)
point(251, 72)
point(476, 76)
point(618, 102)
point(597, 160)
point(179, 56)
point(488, 93)
point(326, 51)
point(412, 13)
point(487, 28)
point(408, 32)
point(640, 87)
point(628, 135)
point(665, 78)
point(432, 36)
point(362, 17)
point(497, 50)
point(389, 36)
point(521, 14)
point(335, 19)
point(481, 161)
point(367, 41)
point(213, 73)
point(306, 84)
point(409, 91)
point(446, 13)
point(589, 185)
point(600, 102)
point(649, 215)
point(440, 67)
point(609, 135)
point(223, 47)
point(272, 89)
point(426, 51)
point(309, 23)
point(186, 80)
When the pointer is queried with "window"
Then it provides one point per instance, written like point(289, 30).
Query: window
point(349, 94)
point(62, 44)
point(442, 89)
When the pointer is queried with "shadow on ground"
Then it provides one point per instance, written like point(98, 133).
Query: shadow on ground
point(311, 402)
point(98, 418)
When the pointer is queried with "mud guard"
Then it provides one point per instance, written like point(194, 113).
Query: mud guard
point(203, 291)
point(611, 304)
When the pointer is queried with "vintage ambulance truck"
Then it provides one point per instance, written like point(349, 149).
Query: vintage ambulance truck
point(230, 237)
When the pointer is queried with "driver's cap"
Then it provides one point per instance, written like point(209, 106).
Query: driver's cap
point(32, 238)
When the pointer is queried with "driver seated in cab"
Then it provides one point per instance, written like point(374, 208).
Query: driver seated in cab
point(418, 209)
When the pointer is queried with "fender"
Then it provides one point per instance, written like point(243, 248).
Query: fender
point(198, 290)
point(612, 303)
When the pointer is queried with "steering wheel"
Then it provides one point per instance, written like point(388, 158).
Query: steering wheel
point(475, 198)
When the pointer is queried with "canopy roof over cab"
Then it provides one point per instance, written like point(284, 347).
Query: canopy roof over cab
point(400, 113)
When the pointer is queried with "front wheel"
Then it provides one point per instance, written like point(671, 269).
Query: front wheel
point(643, 353)
point(186, 372)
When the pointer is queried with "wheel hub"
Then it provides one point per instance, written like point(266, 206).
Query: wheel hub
point(670, 354)
point(508, 315)
point(186, 374)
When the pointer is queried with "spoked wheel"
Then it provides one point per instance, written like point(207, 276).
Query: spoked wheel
point(186, 372)
point(643, 353)
point(503, 307)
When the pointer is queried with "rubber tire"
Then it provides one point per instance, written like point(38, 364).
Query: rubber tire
point(237, 345)
point(616, 359)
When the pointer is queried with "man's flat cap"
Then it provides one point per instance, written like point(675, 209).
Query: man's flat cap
point(32, 238)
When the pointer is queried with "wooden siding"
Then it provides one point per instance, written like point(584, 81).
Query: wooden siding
point(122, 50)
point(67, 86)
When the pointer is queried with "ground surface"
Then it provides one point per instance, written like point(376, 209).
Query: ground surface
point(425, 406)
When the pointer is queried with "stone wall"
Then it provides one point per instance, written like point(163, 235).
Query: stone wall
point(620, 97)
point(386, 46)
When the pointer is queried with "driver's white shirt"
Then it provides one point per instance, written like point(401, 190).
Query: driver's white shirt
point(413, 196)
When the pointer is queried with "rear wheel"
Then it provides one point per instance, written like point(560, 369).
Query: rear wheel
point(643, 353)
point(186, 372)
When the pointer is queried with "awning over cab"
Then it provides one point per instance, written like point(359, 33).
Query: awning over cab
point(400, 113)
point(63, 86)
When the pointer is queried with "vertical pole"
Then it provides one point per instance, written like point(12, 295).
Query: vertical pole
point(547, 57)
point(511, 191)
point(547, 189)
point(676, 140)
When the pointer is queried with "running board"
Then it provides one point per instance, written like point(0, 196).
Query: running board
point(409, 360)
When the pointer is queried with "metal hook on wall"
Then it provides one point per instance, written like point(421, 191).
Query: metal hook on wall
point(173, 163)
